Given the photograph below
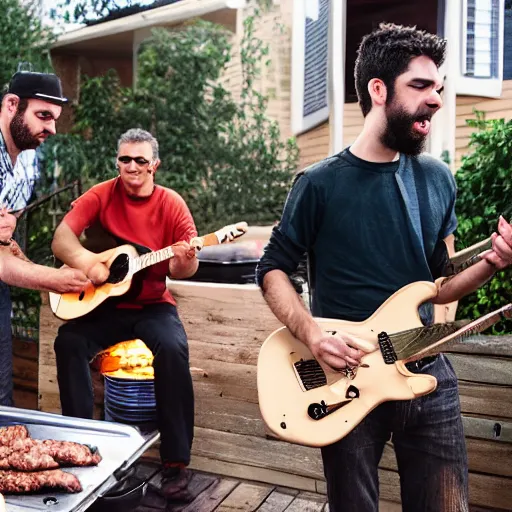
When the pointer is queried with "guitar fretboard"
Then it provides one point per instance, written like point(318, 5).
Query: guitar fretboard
point(470, 329)
point(151, 258)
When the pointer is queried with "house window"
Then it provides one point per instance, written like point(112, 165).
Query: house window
point(481, 69)
point(310, 104)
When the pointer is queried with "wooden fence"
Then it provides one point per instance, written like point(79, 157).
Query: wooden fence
point(226, 325)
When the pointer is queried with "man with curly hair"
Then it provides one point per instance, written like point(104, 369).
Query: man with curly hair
point(372, 219)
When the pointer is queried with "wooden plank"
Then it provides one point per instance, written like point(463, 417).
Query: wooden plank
point(492, 105)
point(490, 491)
point(278, 501)
point(229, 352)
point(307, 502)
point(212, 497)
point(486, 400)
point(25, 349)
point(228, 415)
point(258, 452)
point(245, 498)
point(389, 506)
point(226, 377)
point(25, 399)
point(389, 485)
point(253, 473)
point(488, 370)
point(490, 457)
point(486, 428)
point(485, 345)
point(484, 456)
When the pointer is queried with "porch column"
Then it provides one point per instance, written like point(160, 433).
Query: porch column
point(336, 73)
point(442, 138)
point(139, 36)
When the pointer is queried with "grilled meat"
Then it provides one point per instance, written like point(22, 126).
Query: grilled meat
point(9, 434)
point(72, 454)
point(18, 482)
point(27, 454)
point(33, 460)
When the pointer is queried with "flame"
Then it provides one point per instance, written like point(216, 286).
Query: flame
point(129, 359)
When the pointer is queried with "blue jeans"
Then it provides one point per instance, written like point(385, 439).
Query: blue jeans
point(429, 443)
point(5, 346)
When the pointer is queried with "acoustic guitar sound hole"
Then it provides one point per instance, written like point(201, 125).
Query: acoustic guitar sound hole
point(118, 269)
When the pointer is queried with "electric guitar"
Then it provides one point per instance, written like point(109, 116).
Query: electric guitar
point(124, 262)
point(302, 404)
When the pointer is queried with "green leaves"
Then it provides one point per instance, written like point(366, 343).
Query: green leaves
point(22, 39)
point(484, 192)
point(225, 157)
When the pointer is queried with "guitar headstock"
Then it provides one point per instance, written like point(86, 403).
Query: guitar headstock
point(231, 232)
point(222, 236)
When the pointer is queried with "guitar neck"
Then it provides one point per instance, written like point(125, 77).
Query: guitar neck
point(464, 259)
point(221, 236)
point(151, 258)
point(431, 346)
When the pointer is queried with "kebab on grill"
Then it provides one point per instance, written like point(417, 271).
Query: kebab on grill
point(24, 462)
point(20, 482)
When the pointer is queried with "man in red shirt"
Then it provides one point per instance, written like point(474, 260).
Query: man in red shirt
point(132, 209)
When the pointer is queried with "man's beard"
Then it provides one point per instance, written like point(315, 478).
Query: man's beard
point(399, 134)
point(21, 134)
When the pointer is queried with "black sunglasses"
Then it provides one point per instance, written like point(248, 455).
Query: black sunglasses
point(139, 160)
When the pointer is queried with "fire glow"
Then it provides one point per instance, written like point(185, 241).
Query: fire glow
point(130, 359)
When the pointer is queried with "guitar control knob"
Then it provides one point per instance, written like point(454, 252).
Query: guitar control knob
point(317, 411)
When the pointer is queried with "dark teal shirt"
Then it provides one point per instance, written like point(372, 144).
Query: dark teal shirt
point(368, 229)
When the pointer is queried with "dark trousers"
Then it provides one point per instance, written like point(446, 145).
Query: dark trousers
point(429, 443)
point(5, 346)
point(159, 326)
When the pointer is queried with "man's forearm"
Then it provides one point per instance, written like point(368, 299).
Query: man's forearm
point(288, 307)
point(67, 247)
point(25, 274)
point(454, 288)
point(182, 270)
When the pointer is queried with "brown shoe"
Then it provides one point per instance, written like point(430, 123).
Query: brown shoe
point(175, 487)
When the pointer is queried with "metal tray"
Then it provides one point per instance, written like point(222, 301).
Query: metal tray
point(120, 447)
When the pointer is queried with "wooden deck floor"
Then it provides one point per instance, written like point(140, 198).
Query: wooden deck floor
point(215, 493)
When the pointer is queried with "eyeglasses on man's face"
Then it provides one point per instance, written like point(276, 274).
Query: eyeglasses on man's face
point(139, 160)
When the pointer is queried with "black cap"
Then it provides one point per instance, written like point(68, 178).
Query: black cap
point(42, 86)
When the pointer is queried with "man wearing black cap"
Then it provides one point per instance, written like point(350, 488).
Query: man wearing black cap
point(29, 109)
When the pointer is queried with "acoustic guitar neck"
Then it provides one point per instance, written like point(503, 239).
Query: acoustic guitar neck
point(221, 236)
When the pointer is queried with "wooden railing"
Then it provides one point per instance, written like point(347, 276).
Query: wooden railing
point(226, 325)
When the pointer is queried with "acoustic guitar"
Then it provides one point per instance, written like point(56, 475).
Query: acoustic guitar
point(302, 404)
point(124, 262)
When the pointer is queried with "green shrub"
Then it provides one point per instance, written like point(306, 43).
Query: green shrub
point(22, 39)
point(226, 158)
point(484, 183)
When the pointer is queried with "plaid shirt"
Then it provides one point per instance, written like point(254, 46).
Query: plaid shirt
point(17, 183)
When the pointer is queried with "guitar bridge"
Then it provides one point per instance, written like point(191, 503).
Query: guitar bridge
point(386, 348)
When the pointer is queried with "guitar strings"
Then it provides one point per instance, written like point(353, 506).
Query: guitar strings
point(409, 342)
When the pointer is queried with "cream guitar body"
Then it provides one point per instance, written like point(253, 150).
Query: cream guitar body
point(302, 404)
point(123, 263)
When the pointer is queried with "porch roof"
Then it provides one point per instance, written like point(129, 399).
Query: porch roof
point(117, 36)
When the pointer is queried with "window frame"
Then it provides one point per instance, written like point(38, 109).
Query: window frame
point(473, 86)
point(299, 122)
